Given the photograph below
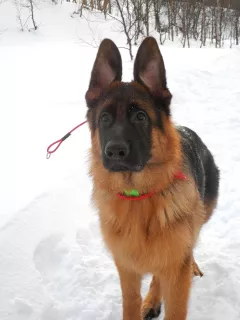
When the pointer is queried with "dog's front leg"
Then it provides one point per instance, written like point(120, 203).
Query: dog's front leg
point(131, 293)
point(176, 289)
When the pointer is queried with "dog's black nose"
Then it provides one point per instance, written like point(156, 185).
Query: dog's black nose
point(117, 150)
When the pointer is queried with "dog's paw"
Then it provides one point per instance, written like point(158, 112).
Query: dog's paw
point(152, 313)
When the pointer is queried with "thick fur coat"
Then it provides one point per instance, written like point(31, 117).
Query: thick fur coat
point(136, 146)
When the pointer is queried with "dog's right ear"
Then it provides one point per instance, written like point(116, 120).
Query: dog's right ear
point(106, 69)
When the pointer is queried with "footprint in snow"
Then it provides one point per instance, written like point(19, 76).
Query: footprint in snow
point(49, 255)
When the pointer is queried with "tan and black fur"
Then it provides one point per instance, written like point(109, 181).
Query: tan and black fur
point(135, 145)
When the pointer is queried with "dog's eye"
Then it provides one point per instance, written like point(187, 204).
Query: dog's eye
point(140, 116)
point(105, 117)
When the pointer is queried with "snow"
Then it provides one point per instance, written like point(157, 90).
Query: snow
point(53, 263)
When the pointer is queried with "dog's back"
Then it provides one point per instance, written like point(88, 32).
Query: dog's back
point(203, 168)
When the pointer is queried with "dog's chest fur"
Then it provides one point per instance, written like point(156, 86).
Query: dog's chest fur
point(151, 235)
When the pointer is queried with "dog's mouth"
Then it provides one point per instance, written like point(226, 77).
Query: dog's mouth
point(118, 167)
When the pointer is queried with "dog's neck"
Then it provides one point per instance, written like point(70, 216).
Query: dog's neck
point(134, 195)
point(152, 179)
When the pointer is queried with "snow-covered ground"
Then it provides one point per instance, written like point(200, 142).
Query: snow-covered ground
point(53, 264)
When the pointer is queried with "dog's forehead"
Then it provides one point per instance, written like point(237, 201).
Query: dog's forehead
point(120, 96)
point(125, 92)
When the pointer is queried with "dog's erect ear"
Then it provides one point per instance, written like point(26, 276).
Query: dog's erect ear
point(106, 69)
point(149, 67)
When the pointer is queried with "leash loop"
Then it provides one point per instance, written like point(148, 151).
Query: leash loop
point(60, 141)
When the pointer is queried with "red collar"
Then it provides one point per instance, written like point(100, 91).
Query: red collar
point(178, 175)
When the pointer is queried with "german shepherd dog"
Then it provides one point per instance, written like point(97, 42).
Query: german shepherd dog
point(154, 184)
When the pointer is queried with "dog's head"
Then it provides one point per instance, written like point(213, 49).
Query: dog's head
point(129, 122)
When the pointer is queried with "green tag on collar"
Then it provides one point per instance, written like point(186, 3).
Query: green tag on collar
point(131, 193)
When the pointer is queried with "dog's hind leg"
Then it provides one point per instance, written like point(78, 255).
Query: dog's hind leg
point(196, 270)
point(151, 307)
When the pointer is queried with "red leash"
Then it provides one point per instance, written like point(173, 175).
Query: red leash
point(60, 141)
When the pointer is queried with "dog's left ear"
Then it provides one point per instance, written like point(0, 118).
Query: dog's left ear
point(149, 68)
point(106, 69)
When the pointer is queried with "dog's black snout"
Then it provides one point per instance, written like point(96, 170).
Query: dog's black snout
point(117, 150)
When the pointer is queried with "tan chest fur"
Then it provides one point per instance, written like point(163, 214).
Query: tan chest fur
point(155, 234)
